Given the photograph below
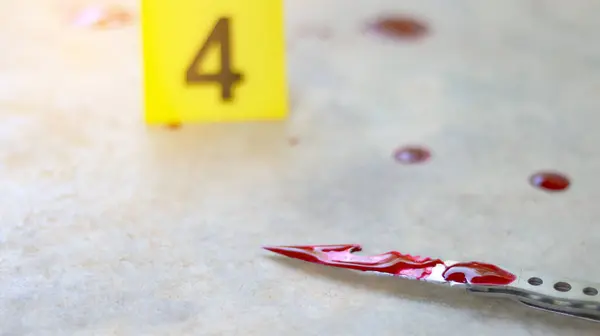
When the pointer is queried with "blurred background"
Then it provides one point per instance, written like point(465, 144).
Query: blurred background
point(464, 130)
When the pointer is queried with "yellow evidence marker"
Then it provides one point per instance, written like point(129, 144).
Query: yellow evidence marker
point(214, 61)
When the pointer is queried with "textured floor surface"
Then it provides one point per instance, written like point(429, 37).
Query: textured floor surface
point(108, 227)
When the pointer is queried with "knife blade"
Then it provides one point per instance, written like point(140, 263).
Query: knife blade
point(552, 294)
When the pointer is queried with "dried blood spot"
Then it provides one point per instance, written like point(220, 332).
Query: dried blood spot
point(550, 181)
point(103, 17)
point(399, 27)
point(411, 155)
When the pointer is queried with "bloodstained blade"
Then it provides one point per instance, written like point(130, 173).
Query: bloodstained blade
point(398, 264)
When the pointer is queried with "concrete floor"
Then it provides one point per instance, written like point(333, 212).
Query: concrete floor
point(109, 227)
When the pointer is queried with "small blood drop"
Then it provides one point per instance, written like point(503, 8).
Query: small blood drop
point(411, 155)
point(400, 27)
point(550, 181)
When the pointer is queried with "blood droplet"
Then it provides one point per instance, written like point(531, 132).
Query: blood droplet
point(399, 27)
point(550, 181)
point(103, 17)
point(477, 273)
point(411, 154)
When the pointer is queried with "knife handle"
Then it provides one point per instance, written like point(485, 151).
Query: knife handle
point(557, 295)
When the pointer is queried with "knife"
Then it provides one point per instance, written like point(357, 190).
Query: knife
point(552, 294)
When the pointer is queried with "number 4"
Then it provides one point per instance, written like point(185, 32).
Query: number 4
point(226, 77)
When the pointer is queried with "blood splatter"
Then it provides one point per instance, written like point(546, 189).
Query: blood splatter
point(103, 17)
point(478, 274)
point(399, 27)
point(550, 181)
point(411, 154)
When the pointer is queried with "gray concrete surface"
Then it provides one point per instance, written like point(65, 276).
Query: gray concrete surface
point(108, 227)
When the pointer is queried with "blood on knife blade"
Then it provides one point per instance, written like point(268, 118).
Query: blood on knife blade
point(396, 263)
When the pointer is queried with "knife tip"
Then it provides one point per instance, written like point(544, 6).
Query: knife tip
point(270, 248)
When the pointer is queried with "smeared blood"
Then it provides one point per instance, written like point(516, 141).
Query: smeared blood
point(341, 256)
point(396, 263)
point(477, 273)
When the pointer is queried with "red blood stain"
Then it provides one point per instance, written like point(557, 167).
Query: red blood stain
point(396, 263)
point(478, 274)
point(293, 141)
point(411, 154)
point(550, 181)
point(399, 27)
point(341, 256)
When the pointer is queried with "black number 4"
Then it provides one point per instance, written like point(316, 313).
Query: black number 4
point(226, 77)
